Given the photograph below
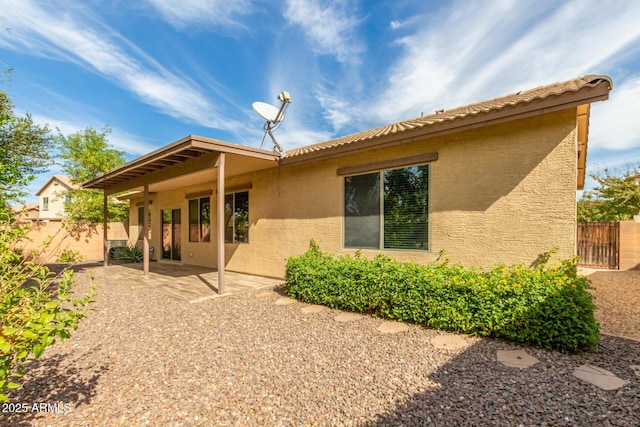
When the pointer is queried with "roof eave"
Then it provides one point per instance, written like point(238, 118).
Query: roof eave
point(563, 101)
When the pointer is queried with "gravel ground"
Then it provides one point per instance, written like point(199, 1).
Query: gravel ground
point(617, 296)
point(144, 358)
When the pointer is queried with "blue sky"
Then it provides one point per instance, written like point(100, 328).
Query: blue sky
point(158, 70)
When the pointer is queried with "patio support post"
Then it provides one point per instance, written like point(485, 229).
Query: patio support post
point(105, 241)
point(145, 231)
point(220, 222)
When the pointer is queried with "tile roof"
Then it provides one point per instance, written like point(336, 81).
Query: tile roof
point(457, 114)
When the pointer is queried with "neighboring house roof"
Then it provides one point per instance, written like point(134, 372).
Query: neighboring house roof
point(575, 93)
point(23, 208)
point(62, 179)
point(551, 97)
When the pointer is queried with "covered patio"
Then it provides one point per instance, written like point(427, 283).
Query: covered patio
point(184, 282)
point(182, 164)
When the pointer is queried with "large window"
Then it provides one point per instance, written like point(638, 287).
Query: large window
point(236, 217)
point(394, 215)
point(200, 220)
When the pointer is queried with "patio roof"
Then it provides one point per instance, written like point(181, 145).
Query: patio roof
point(188, 155)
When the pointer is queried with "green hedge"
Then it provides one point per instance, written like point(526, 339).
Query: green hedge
point(547, 306)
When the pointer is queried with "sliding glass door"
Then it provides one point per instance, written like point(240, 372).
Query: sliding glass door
point(171, 234)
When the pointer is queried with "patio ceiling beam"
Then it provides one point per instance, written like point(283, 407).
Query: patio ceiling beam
point(245, 151)
point(186, 149)
point(206, 161)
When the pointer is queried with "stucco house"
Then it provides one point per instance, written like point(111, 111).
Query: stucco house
point(489, 182)
point(52, 196)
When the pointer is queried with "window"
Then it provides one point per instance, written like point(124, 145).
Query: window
point(45, 203)
point(200, 220)
point(141, 223)
point(394, 215)
point(67, 198)
point(236, 217)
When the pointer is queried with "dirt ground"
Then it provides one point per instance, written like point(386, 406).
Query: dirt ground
point(617, 298)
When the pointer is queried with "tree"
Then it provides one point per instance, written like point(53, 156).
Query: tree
point(87, 155)
point(37, 305)
point(24, 152)
point(615, 198)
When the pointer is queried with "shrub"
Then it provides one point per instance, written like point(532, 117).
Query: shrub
point(36, 306)
point(126, 254)
point(68, 255)
point(547, 306)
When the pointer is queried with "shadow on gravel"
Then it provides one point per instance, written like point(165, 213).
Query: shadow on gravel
point(55, 381)
point(473, 389)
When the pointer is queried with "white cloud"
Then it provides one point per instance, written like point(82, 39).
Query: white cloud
point(395, 25)
point(64, 36)
point(184, 12)
point(470, 52)
point(330, 28)
point(615, 123)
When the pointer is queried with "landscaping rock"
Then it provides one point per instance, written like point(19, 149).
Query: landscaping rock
point(143, 358)
point(313, 309)
point(599, 377)
point(393, 327)
point(449, 342)
point(516, 359)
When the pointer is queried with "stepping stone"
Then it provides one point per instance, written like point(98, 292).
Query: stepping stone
point(449, 342)
point(347, 317)
point(312, 309)
point(599, 377)
point(516, 359)
point(265, 294)
point(285, 301)
point(393, 327)
point(636, 369)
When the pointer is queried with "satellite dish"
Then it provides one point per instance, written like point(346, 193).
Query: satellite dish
point(267, 112)
point(273, 116)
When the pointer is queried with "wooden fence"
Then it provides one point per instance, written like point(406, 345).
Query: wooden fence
point(598, 244)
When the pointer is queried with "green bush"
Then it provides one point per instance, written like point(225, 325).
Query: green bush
point(126, 254)
point(68, 255)
point(36, 305)
point(547, 306)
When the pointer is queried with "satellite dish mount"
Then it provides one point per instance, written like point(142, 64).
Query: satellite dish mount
point(273, 117)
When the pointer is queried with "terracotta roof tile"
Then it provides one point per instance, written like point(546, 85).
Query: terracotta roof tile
point(459, 113)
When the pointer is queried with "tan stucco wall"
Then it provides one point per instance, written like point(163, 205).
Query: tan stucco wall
point(88, 242)
point(504, 193)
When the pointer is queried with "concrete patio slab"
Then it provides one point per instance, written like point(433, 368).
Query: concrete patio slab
point(449, 342)
point(599, 377)
point(313, 309)
point(348, 317)
point(516, 359)
point(184, 282)
point(389, 327)
point(285, 301)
